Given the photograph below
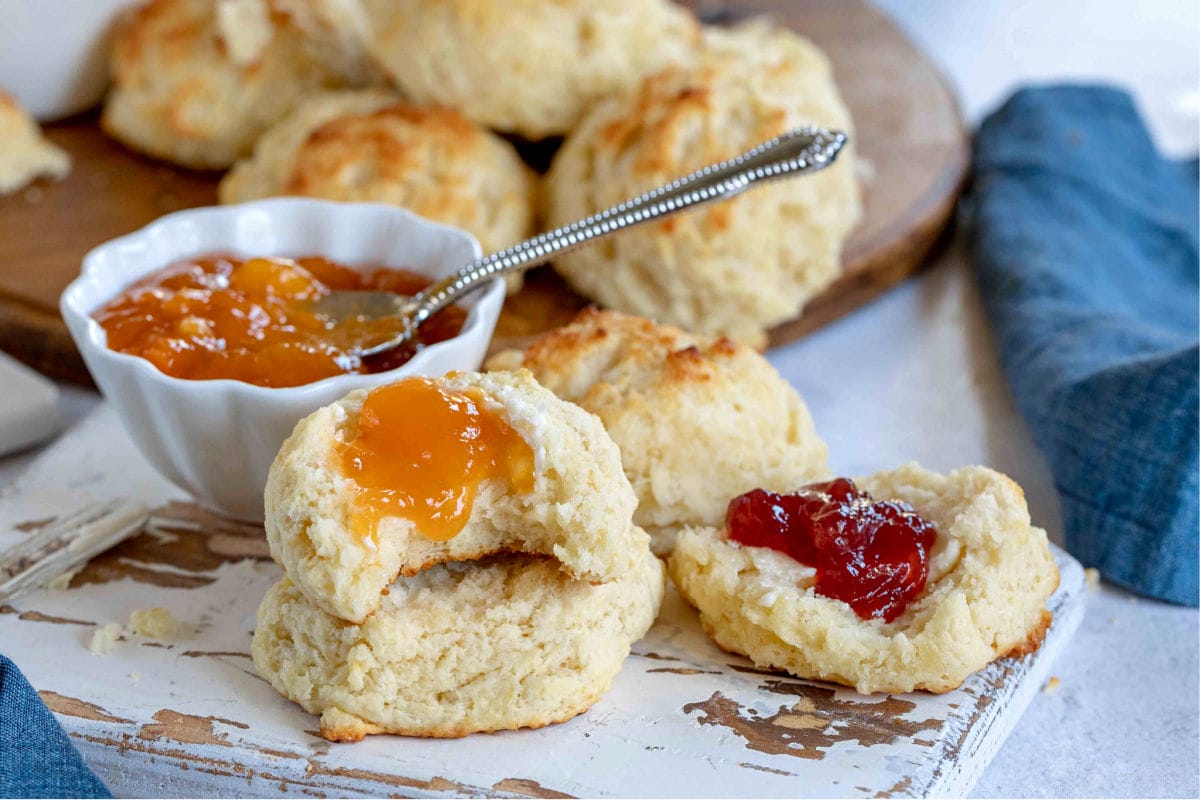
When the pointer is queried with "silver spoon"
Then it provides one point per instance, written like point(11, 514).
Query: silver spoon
point(796, 152)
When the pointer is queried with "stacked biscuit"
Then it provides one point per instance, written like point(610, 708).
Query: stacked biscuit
point(521, 620)
point(404, 101)
point(700, 421)
point(525, 616)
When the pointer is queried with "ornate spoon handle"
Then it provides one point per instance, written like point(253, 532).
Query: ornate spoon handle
point(796, 152)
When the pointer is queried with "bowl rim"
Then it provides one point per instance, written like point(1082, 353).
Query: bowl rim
point(95, 339)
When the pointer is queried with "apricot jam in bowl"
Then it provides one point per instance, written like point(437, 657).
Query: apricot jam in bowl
point(198, 330)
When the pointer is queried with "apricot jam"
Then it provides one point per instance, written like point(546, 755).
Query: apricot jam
point(249, 320)
point(874, 556)
point(421, 451)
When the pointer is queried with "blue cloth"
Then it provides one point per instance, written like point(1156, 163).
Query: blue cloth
point(1085, 246)
point(36, 757)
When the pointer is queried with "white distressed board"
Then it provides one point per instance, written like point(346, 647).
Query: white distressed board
point(191, 718)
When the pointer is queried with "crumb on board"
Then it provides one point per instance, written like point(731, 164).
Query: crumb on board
point(1052, 685)
point(1091, 577)
point(154, 623)
point(63, 581)
point(105, 639)
point(135, 678)
point(149, 623)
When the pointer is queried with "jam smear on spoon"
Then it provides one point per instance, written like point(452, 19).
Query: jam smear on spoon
point(872, 555)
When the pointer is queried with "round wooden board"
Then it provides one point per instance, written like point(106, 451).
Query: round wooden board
point(911, 139)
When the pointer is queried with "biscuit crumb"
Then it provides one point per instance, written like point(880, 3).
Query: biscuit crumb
point(63, 581)
point(1091, 576)
point(1052, 685)
point(27, 155)
point(154, 623)
point(105, 639)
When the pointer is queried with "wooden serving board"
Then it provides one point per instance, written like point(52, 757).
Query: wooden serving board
point(912, 144)
point(189, 717)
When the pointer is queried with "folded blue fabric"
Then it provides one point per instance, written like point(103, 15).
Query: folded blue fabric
point(1085, 246)
point(36, 757)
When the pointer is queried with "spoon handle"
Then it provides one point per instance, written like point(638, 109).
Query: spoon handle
point(798, 151)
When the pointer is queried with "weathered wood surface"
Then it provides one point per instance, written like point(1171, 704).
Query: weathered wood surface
point(189, 717)
point(911, 138)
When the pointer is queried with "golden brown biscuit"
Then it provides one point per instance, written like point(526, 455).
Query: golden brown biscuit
point(530, 67)
point(352, 146)
point(196, 81)
point(738, 267)
point(698, 420)
point(25, 155)
point(990, 575)
point(462, 647)
point(269, 168)
point(580, 511)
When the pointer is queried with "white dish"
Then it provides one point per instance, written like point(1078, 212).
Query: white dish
point(217, 438)
point(54, 53)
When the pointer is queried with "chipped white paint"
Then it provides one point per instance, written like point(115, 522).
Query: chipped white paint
point(683, 719)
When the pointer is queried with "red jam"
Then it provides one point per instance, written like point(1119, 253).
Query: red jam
point(874, 556)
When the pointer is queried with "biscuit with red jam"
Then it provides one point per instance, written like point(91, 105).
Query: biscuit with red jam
point(990, 573)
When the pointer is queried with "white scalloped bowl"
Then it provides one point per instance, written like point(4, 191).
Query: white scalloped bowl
point(217, 438)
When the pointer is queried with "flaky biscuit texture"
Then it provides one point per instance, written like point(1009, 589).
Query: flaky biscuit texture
point(530, 67)
point(990, 575)
point(580, 511)
point(25, 154)
point(352, 146)
point(355, 146)
point(269, 169)
point(734, 268)
point(508, 642)
point(196, 81)
point(698, 420)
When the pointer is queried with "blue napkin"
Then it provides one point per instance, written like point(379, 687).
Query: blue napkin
point(1085, 245)
point(36, 757)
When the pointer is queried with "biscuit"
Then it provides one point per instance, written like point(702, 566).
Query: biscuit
point(530, 67)
point(734, 268)
point(353, 146)
point(698, 421)
point(25, 154)
point(580, 511)
point(196, 81)
point(508, 642)
point(990, 574)
point(269, 168)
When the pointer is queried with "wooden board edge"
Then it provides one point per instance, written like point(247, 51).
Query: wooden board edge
point(1012, 684)
point(40, 340)
point(885, 267)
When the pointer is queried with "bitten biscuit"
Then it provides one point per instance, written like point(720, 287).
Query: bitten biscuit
point(580, 511)
point(25, 155)
point(196, 81)
point(990, 575)
point(698, 420)
point(353, 146)
point(735, 268)
point(509, 642)
point(530, 67)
